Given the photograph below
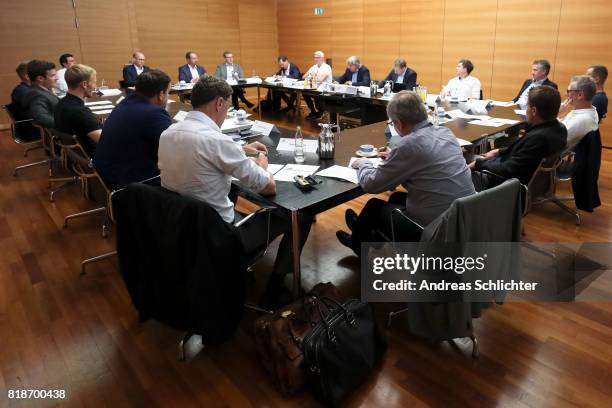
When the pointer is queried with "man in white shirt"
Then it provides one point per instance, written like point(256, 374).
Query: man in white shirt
point(66, 61)
point(580, 115)
point(195, 158)
point(463, 86)
point(322, 73)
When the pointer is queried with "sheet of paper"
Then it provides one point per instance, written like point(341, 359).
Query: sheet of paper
point(477, 107)
point(507, 121)
point(275, 168)
point(376, 161)
point(231, 82)
point(504, 104)
point(103, 112)
point(463, 142)
point(289, 171)
point(110, 92)
point(118, 101)
point(458, 113)
point(520, 112)
point(101, 107)
point(340, 172)
point(481, 122)
point(254, 80)
point(98, 103)
point(431, 99)
point(262, 127)
point(286, 144)
point(180, 116)
point(231, 125)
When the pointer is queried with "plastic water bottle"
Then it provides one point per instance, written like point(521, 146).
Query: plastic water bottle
point(298, 153)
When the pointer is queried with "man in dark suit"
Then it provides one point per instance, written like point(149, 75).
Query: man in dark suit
point(286, 70)
point(539, 77)
point(229, 70)
point(401, 74)
point(355, 74)
point(545, 136)
point(40, 99)
point(131, 72)
point(20, 109)
point(191, 71)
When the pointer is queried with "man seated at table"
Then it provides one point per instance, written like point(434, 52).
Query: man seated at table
point(191, 71)
point(230, 71)
point(579, 115)
point(599, 73)
point(195, 158)
point(18, 94)
point(40, 99)
point(427, 161)
point(322, 73)
point(545, 136)
point(127, 151)
point(539, 77)
point(355, 74)
point(71, 114)
point(137, 67)
point(286, 70)
point(66, 61)
point(401, 74)
point(464, 85)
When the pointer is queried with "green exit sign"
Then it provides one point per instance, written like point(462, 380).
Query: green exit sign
point(318, 11)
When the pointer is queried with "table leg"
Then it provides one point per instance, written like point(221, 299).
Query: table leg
point(259, 101)
point(295, 251)
point(298, 103)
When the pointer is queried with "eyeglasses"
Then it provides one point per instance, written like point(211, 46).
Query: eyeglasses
point(390, 123)
point(573, 90)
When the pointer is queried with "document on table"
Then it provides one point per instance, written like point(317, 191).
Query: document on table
point(102, 107)
point(376, 161)
point(507, 121)
point(463, 142)
point(289, 171)
point(98, 103)
point(458, 113)
point(520, 112)
point(504, 104)
point(431, 99)
point(110, 92)
point(340, 172)
point(264, 128)
point(286, 144)
point(482, 122)
point(274, 168)
point(180, 116)
point(103, 112)
point(253, 80)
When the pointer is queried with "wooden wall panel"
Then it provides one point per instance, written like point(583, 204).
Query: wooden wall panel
point(258, 38)
point(381, 36)
point(517, 44)
point(346, 33)
point(469, 32)
point(103, 40)
point(300, 32)
point(33, 30)
point(422, 35)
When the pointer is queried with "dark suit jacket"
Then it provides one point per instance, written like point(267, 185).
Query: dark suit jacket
point(410, 78)
point(185, 72)
point(585, 173)
point(129, 74)
point(363, 77)
point(294, 72)
point(41, 106)
point(522, 157)
point(20, 109)
point(547, 82)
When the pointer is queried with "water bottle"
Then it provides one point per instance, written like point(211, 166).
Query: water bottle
point(298, 153)
point(436, 116)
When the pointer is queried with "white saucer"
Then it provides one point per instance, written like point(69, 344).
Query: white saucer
point(373, 153)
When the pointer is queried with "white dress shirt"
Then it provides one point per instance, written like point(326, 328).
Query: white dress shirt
point(579, 122)
point(324, 71)
point(229, 69)
point(194, 73)
point(286, 71)
point(61, 87)
point(468, 87)
point(400, 77)
point(138, 70)
point(195, 158)
point(522, 100)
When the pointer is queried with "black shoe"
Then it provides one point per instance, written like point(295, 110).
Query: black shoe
point(286, 109)
point(350, 217)
point(249, 105)
point(347, 240)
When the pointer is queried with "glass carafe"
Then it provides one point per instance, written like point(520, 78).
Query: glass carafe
point(327, 140)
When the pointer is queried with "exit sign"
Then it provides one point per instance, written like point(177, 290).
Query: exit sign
point(318, 11)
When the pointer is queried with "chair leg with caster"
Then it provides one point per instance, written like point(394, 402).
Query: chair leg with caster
point(96, 259)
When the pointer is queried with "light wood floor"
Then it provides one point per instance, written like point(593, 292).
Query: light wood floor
point(81, 334)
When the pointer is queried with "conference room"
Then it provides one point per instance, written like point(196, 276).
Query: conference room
point(305, 204)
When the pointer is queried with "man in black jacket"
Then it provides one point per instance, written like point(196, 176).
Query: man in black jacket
point(401, 74)
point(355, 74)
point(286, 70)
point(539, 77)
point(544, 137)
point(40, 99)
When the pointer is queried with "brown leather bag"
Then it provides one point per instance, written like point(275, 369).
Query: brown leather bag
point(279, 337)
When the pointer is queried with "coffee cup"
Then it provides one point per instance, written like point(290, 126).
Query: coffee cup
point(241, 115)
point(366, 148)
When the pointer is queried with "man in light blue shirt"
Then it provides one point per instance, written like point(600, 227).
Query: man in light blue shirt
point(539, 77)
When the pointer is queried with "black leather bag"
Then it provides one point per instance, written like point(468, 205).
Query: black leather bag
point(342, 350)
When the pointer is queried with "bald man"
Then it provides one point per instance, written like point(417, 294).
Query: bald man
point(131, 72)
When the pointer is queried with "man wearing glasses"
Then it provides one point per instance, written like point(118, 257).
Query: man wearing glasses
point(582, 117)
point(196, 159)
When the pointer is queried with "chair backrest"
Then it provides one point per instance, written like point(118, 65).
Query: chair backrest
point(122, 84)
point(22, 130)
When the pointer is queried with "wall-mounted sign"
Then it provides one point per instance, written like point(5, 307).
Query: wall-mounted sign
point(318, 11)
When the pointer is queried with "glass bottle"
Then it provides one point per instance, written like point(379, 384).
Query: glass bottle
point(298, 153)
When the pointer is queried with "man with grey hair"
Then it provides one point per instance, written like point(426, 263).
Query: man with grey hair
point(428, 162)
point(582, 118)
point(402, 75)
point(322, 73)
point(355, 74)
point(539, 77)
point(195, 158)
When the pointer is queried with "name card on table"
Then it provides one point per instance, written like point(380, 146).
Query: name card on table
point(264, 128)
point(351, 90)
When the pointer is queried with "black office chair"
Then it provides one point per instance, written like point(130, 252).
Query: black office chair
point(24, 133)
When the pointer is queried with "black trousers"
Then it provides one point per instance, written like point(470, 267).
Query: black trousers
point(313, 101)
point(374, 222)
point(239, 93)
point(253, 235)
point(277, 96)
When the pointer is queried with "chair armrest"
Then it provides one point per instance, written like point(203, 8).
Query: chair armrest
point(401, 213)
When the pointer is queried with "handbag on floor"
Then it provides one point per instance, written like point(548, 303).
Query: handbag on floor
point(279, 338)
point(342, 350)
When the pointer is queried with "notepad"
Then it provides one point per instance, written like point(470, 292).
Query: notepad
point(103, 112)
point(286, 144)
point(340, 172)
